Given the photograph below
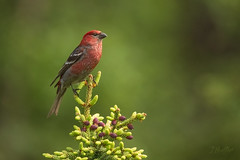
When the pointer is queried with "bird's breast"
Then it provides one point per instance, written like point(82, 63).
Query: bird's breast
point(88, 62)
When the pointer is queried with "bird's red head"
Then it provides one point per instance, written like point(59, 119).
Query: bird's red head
point(93, 37)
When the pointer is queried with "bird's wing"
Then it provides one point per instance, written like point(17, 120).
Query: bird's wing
point(77, 54)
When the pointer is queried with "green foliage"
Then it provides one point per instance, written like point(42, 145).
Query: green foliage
point(178, 61)
point(99, 140)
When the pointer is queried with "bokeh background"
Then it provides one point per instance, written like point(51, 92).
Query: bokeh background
point(178, 61)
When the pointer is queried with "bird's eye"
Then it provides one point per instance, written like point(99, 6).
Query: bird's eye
point(95, 34)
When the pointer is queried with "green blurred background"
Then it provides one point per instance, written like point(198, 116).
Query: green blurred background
point(178, 61)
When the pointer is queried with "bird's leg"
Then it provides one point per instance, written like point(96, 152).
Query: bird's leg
point(75, 90)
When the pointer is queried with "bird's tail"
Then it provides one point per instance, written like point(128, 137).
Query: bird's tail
point(57, 101)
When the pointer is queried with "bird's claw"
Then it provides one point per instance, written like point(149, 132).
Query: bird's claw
point(75, 91)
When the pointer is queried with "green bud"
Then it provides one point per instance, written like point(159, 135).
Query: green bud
point(94, 100)
point(108, 147)
point(110, 118)
point(134, 149)
point(63, 156)
point(85, 149)
point(143, 156)
point(119, 132)
point(96, 115)
point(69, 149)
point(123, 157)
point(97, 79)
point(77, 111)
point(134, 115)
point(128, 155)
point(85, 158)
point(100, 118)
point(138, 157)
point(89, 118)
point(112, 115)
point(77, 118)
point(128, 150)
point(139, 116)
point(112, 109)
point(125, 128)
point(141, 151)
point(109, 152)
point(85, 140)
point(82, 117)
point(99, 129)
point(64, 152)
point(91, 152)
point(121, 145)
point(76, 127)
point(109, 122)
point(76, 132)
point(47, 155)
point(71, 133)
point(98, 143)
point(142, 118)
point(112, 144)
point(83, 153)
point(80, 86)
point(78, 158)
point(119, 138)
point(105, 141)
point(78, 138)
point(107, 131)
point(80, 145)
point(75, 153)
point(116, 107)
point(134, 154)
point(78, 100)
point(58, 153)
point(70, 154)
point(118, 152)
point(128, 134)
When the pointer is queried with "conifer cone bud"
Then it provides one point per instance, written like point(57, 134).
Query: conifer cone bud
point(122, 118)
point(130, 126)
point(129, 137)
point(84, 129)
point(93, 127)
point(101, 124)
point(102, 134)
point(86, 123)
point(95, 120)
point(114, 122)
point(113, 135)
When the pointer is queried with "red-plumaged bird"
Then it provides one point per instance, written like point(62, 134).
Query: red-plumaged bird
point(79, 64)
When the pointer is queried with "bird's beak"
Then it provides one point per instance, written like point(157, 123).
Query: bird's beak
point(102, 35)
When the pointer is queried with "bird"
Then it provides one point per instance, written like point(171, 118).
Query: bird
point(79, 64)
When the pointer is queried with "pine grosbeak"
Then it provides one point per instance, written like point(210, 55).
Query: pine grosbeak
point(79, 64)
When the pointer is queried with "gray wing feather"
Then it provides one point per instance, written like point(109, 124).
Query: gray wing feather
point(78, 53)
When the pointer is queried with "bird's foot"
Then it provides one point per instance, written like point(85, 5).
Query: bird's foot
point(75, 90)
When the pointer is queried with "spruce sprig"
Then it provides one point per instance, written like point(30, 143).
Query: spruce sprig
point(99, 140)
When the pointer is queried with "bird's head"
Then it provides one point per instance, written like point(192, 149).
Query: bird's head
point(93, 37)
